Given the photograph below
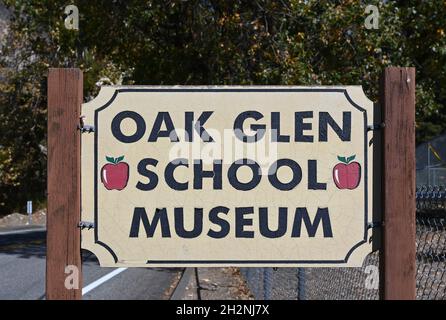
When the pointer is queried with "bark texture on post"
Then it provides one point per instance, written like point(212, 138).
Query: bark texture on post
point(65, 88)
point(398, 265)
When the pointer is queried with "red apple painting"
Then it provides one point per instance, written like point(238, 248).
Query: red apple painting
point(347, 174)
point(115, 174)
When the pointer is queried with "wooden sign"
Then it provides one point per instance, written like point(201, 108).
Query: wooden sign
point(218, 176)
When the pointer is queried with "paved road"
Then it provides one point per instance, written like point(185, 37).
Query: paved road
point(22, 273)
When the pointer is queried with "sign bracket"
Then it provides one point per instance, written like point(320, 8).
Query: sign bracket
point(374, 224)
point(84, 127)
point(86, 224)
point(375, 127)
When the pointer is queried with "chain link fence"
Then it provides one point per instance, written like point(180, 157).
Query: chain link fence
point(363, 283)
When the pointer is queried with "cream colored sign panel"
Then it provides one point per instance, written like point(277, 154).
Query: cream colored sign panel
point(219, 176)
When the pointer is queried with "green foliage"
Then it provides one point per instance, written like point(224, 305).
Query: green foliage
point(206, 42)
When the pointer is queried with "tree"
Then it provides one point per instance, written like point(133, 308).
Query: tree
point(206, 42)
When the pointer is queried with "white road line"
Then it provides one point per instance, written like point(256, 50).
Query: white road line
point(101, 280)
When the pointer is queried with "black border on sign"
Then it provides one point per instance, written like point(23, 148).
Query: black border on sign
point(185, 262)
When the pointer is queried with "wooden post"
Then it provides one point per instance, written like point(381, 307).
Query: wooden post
point(63, 236)
point(398, 268)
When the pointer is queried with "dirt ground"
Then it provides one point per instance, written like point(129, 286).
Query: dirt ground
point(217, 284)
point(17, 219)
